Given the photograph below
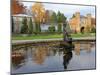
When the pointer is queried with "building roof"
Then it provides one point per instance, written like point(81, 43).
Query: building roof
point(21, 15)
point(81, 16)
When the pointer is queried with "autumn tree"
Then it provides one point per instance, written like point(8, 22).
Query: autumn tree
point(17, 7)
point(39, 12)
point(47, 16)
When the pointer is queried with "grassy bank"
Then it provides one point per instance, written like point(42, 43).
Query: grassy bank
point(49, 36)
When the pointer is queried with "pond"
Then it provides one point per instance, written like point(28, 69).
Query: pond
point(50, 57)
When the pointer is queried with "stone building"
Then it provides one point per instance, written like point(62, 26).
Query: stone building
point(79, 22)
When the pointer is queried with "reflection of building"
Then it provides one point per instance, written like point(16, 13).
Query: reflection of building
point(82, 46)
point(79, 21)
point(77, 48)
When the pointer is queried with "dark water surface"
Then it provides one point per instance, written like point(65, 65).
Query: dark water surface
point(49, 58)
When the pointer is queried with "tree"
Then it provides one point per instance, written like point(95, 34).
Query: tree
point(12, 25)
point(24, 28)
point(39, 12)
point(60, 19)
point(88, 29)
point(93, 30)
point(63, 18)
point(53, 18)
point(17, 7)
point(73, 16)
point(38, 28)
point(59, 22)
point(30, 26)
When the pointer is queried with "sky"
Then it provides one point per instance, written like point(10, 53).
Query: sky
point(66, 9)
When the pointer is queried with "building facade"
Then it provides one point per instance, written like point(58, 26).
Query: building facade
point(17, 20)
point(78, 22)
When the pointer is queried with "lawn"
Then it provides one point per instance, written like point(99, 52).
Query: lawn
point(49, 36)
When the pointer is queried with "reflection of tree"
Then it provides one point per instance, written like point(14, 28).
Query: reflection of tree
point(17, 58)
point(40, 54)
point(66, 58)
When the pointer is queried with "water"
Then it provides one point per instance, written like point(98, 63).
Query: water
point(49, 58)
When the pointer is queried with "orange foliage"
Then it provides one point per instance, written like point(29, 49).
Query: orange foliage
point(16, 7)
point(39, 12)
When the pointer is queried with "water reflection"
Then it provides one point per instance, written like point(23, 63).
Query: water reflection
point(39, 55)
point(83, 46)
point(18, 58)
point(53, 57)
point(66, 58)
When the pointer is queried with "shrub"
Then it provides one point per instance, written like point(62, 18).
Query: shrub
point(93, 30)
point(24, 28)
point(51, 29)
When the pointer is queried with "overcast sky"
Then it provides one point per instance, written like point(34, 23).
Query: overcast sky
point(68, 10)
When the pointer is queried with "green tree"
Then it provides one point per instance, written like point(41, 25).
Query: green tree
point(88, 29)
point(37, 27)
point(73, 16)
point(12, 25)
point(60, 19)
point(24, 28)
point(93, 30)
point(59, 22)
point(53, 18)
point(63, 18)
point(30, 26)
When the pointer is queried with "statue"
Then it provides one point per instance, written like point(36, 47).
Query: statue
point(66, 35)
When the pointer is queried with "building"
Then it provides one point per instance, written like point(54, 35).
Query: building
point(17, 19)
point(79, 22)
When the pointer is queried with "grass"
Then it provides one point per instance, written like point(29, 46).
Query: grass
point(31, 37)
point(49, 36)
point(83, 35)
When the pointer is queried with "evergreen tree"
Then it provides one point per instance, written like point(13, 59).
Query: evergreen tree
point(24, 28)
point(60, 19)
point(37, 27)
point(30, 26)
point(53, 18)
point(12, 25)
